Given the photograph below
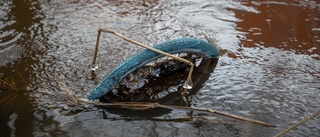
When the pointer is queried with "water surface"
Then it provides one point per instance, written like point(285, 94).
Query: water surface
point(269, 69)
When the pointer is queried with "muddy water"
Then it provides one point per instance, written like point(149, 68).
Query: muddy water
point(269, 69)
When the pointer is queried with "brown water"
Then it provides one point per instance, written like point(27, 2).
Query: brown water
point(269, 69)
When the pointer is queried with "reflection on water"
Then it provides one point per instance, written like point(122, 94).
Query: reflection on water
point(19, 41)
point(295, 24)
point(269, 69)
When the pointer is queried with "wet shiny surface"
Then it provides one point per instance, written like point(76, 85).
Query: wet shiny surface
point(269, 69)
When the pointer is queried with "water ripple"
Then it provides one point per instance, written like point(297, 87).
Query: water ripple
point(268, 70)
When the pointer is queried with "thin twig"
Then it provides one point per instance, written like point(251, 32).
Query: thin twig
point(10, 85)
point(65, 88)
point(219, 113)
point(25, 82)
point(95, 64)
point(297, 124)
point(9, 97)
point(149, 105)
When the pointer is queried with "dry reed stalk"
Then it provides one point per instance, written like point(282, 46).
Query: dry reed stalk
point(149, 105)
